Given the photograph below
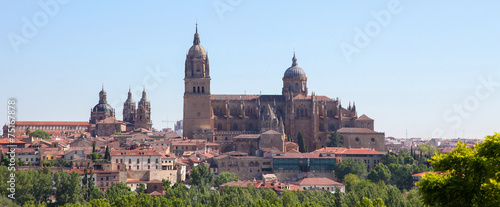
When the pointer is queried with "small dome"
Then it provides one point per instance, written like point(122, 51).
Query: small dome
point(103, 107)
point(294, 71)
point(197, 51)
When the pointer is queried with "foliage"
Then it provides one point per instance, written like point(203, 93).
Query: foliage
point(300, 142)
point(94, 156)
point(40, 134)
point(201, 174)
point(335, 140)
point(107, 154)
point(469, 176)
point(380, 173)
point(225, 177)
point(68, 188)
point(141, 188)
point(118, 190)
point(350, 166)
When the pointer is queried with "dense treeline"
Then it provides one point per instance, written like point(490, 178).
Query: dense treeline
point(34, 187)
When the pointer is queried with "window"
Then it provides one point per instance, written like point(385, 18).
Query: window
point(198, 89)
point(137, 166)
point(296, 86)
point(194, 89)
point(373, 139)
point(137, 161)
point(219, 126)
point(129, 161)
point(235, 127)
point(149, 160)
point(116, 160)
point(357, 139)
point(203, 89)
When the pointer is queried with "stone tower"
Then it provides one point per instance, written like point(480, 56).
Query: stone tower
point(294, 80)
point(197, 104)
point(143, 115)
point(102, 110)
point(129, 110)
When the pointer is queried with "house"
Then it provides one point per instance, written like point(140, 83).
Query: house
point(320, 184)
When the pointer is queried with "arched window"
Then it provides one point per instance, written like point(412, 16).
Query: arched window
point(305, 112)
point(203, 89)
point(194, 89)
point(235, 127)
point(297, 112)
point(219, 126)
point(198, 89)
point(296, 87)
point(301, 112)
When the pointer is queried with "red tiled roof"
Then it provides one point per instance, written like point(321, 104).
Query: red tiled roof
point(7, 141)
point(356, 130)
point(341, 150)
point(319, 98)
point(317, 181)
point(233, 97)
point(364, 117)
point(155, 181)
point(134, 153)
point(52, 123)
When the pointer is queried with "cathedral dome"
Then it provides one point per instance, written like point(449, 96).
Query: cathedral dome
point(103, 107)
point(294, 71)
point(196, 51)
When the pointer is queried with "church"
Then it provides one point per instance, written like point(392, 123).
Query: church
point(102, 117)
point(225, 119)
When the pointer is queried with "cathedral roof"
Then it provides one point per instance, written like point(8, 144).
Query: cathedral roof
point(364, 117)
point(356, 130)
point(294, 71)
point(196, 51)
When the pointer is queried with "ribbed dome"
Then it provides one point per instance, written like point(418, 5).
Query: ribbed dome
point(102, 107)
point(197, 51)
point(294, 71)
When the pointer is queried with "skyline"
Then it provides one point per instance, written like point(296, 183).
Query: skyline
point(428, 67)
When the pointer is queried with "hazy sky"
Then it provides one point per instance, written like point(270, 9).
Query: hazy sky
point(429, 67)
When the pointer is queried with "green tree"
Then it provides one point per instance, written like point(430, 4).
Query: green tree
point(166, 184)
point(350, 166)
point(335, 140)
point(68, 188)
point(141, 188)
point(40, 134)
point(201, 174)
point(289, 198)
point(118, 190)
point(469, 176)
point(380, 173)
point(107, 154)
point(94, 156)
point(225, 177)
point(300, 142)
point(42, 185)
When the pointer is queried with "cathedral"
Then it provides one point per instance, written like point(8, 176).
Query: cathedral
point(102, 116)
point(221, 117)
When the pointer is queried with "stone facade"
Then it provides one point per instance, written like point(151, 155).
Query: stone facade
point(221, 118)
point(102, 116)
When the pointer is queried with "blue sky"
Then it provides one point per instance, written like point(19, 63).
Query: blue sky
point(428, 67)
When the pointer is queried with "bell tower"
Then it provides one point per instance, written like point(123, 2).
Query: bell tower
point(197, 105)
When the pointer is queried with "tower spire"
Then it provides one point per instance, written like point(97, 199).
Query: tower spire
point(294, 59)
point(196, 40)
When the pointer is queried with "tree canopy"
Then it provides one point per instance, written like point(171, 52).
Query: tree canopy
point(349, 166)
point(335, 140)
point(467, 176)
point(40, 134)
